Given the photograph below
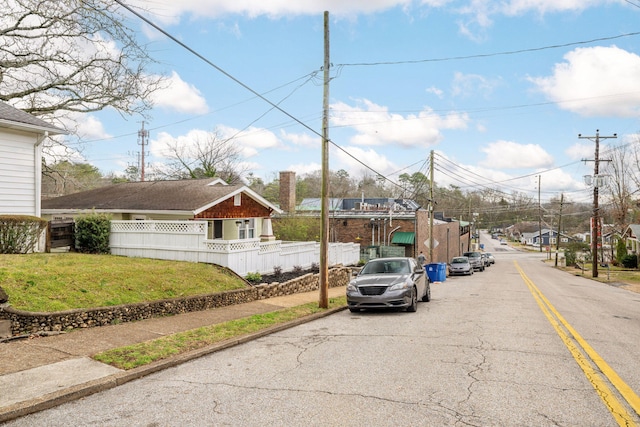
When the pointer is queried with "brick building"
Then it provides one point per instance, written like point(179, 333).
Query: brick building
point(384, 226)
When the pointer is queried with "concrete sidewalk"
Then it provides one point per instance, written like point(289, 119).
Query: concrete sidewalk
point(42, 372)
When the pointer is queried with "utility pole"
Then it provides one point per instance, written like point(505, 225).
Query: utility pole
point(595, 226)
point(431, 209)
point(324, 240)
point(539, 216)
point(559, 228)
point(143, 136)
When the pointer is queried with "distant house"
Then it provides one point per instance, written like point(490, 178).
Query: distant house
point(545, 237)
point(232, 211)
point(631, 236)
point(21, 137)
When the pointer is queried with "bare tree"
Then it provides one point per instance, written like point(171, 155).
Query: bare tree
point(623, 182)
point(73, 56)
point(211, 157)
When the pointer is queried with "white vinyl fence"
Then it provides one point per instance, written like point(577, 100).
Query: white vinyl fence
point(187, 241)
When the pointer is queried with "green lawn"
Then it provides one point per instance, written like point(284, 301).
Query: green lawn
point(63, 281)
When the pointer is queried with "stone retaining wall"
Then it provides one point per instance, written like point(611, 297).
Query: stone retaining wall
point(22, 322)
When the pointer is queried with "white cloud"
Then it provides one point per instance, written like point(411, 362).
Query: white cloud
point(580, 150)
point(169, 11)
point(557, 180)
point(511, 155)
point(250, 141)
point(518, 7)
point(375, 125)
point(302, 169)
point(371, 158)
point(434, 90)
point(180, 96)
point(89, 127)
point(472, 85)
point(301, 139)
point(595, 81)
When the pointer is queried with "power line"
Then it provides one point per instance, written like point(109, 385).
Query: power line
point(488, 55)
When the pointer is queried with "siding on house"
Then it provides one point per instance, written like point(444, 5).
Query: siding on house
point(19, 170)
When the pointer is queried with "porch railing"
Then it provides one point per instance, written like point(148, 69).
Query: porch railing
point(187, 241)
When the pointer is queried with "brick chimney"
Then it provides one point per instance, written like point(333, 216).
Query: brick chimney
point(288, 191)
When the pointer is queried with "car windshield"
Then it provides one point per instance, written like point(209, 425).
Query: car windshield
point(386, 266)
point(459, 261)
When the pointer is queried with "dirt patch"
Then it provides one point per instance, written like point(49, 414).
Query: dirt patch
point(602, 278)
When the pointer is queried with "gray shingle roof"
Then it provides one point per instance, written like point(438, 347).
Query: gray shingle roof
point(184, 195)
point(13, 118)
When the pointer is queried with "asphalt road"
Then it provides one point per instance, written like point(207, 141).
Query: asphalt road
point(511, 346)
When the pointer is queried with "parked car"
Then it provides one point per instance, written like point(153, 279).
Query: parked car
point(485, 259)
point(475, 259)
point(491, 258)
point(460, 265)
point(389, 283)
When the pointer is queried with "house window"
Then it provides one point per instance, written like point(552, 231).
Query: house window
point(236, 200)
point(247, 229)
point(553, 240)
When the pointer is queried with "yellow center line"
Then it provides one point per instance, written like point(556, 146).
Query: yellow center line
point(616, 408)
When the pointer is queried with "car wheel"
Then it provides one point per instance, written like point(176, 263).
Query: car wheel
point(427, 295)
point(414, 301)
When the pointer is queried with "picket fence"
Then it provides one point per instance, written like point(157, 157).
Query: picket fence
point(187, 241)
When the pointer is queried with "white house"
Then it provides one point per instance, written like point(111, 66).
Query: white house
point(21, 137)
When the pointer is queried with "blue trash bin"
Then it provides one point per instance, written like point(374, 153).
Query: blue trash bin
point(442, 272)
point(432, 271)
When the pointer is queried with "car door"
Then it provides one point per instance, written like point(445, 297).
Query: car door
point(418, 278)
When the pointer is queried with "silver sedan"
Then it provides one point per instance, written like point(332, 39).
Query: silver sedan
point(389, 283)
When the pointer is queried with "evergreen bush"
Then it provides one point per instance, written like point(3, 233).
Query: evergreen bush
point(621, 250)
point(92, 233)
point(629, 261)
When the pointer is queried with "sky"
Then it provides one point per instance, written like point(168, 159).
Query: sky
point(499, 90)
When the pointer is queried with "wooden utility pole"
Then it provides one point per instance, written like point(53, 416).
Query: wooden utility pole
point(539, 216)
point(559, 228)
point(595, 227)
point(431, 208)
point(324, 240)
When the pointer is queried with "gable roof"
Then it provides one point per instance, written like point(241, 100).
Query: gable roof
point(191, 195)
point(632, 231)
point(13, 118)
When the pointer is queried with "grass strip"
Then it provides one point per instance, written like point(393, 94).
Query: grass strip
point(133, 356)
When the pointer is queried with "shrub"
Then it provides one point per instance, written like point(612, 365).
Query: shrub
point(315, 267)
point(297, 269)
point(277, 270)
point(19, 234)
point(621, 250)
point(629, 261)
point(92, 233)
point(253, 277)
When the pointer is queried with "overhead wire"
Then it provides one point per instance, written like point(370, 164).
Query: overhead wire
point(488, 55)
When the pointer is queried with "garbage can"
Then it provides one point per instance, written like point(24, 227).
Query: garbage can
point(442, 272)
point(432, 271)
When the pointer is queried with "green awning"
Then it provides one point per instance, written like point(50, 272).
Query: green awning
point(403, 238)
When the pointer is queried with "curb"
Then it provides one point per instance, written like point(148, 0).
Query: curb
point(79, 391)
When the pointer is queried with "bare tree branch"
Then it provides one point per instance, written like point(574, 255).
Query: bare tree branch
point(71, 56)
point(202, 158)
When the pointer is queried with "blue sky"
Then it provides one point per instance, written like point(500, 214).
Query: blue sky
point(499, 89)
